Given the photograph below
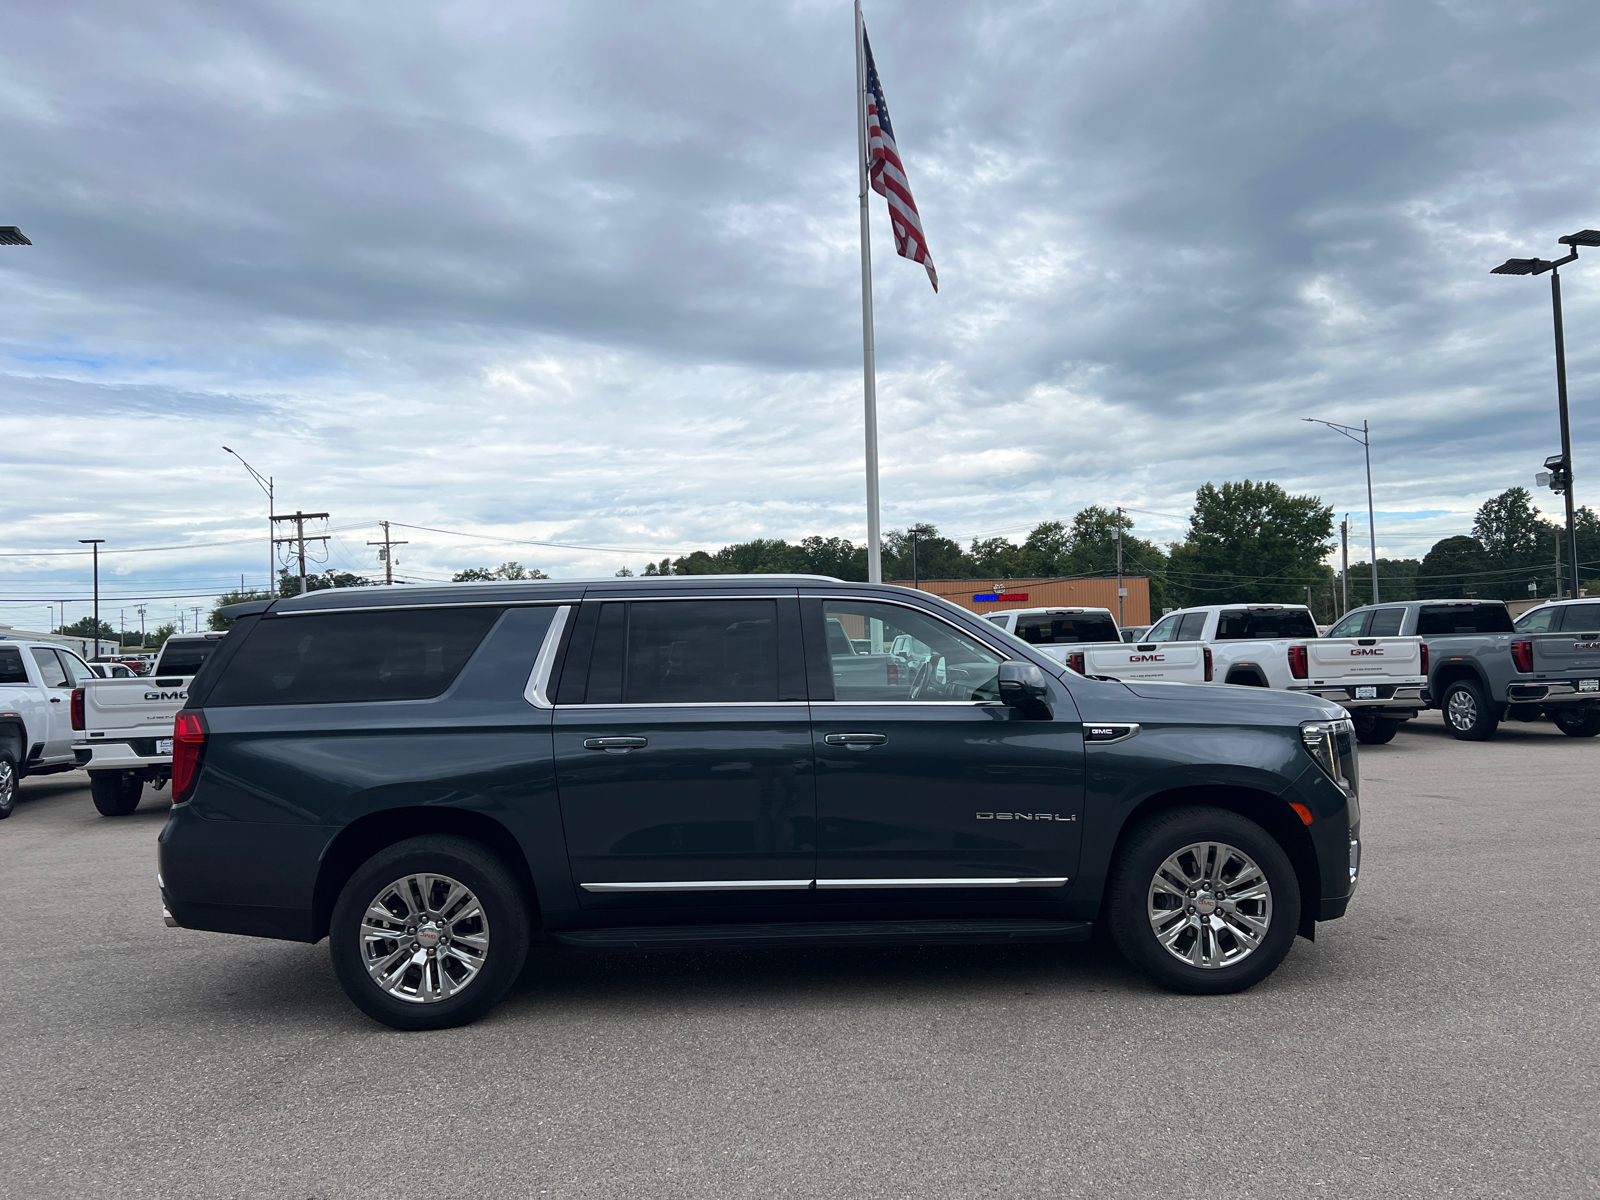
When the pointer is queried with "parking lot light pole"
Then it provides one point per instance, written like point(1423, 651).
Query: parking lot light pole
point(1365, 439)
point(10, 235)
point(1563, 470)
point(95, 543)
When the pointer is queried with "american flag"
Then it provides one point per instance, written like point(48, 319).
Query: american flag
point(888, 173)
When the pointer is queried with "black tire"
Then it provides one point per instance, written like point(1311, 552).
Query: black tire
point(504, 906)
point(1132, 878)
point(1372, 729)
point(116, 793)
point(1577, 722)
point(1467, 712)
point(9, 778)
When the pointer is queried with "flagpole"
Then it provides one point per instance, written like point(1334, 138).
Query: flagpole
point(869, 364)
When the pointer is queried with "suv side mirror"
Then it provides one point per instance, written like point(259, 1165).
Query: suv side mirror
point(1023, 687)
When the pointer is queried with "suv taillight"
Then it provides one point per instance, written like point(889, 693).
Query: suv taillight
point(1075, 661)
point(1209, 671)
point(1522, 655)
point(77, 708)
point(1297, 662)
point(188, 748)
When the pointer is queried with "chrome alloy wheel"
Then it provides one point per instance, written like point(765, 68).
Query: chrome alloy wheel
point(8, 782)
point(1462, 709)
point(1210, 905)
point(424, 938)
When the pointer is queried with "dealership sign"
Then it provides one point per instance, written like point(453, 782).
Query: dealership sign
point(988, 597)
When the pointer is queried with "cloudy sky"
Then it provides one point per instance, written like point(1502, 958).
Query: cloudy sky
point(588, 273)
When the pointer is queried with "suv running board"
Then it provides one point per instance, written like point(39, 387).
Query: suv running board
point(829, 933)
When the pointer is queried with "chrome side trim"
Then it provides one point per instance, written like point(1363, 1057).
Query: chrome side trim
point(537, 691)
point(911, 703)
point(365, 608)
point(705, 885)
point(1009, 881)
point(693, 704)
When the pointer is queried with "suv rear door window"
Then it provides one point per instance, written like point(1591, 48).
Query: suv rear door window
point(687, 652)
point(1441, 620)
point(345, 658)
point(1247, 624)
point(1049, 629)
point(11, 668)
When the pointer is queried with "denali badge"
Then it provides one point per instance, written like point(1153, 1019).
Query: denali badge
point(1000, 816)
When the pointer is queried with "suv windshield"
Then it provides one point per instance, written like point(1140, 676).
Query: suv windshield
point(1246, 624)
point(1045, 629)
point(1442, 619)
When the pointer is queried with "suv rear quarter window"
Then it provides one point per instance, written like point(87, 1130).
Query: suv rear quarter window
point(345, 658)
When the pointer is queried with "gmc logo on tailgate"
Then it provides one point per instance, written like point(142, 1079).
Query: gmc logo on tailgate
point(1586, 645)
point(1133, 658)
point(1366, 654)
point(166, 695)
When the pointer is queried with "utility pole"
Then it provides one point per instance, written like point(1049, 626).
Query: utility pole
point(196, 611)
point(95, 543)
point(299, 539)
point(141, 628)
point(915, 578)
point(1120, 592)
point(386, 555)
point(1344, 540)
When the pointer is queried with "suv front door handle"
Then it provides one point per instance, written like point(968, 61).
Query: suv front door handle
point(616, 745)
point(856, 741)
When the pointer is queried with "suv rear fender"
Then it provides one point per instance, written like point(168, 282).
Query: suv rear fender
point(363, 838)
point(1270, 812)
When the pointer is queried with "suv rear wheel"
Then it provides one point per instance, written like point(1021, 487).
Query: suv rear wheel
point(1467, 714)
point(116, 793)
point(1577, 722)
point(429, 933)
point(1203, 901)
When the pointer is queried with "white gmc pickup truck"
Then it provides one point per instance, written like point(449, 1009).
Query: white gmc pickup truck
point(124, 726)
point(36, 686)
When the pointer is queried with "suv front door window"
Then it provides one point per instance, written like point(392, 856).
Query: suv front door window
point(683, 756)
point(926, 784)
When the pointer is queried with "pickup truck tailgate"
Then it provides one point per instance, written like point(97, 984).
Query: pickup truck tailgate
point(1180, 662)
point(142, 705)
point(1382, 660)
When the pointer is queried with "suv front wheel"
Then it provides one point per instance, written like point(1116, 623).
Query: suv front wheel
point(1203, 901)
point(429, 933)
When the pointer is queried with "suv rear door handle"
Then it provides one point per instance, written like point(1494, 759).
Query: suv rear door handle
point(856, 741)
point(616, 744)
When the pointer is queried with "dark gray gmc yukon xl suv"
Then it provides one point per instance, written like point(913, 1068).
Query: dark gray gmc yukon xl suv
point(432, 778)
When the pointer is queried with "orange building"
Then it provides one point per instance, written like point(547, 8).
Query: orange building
point(974, 594)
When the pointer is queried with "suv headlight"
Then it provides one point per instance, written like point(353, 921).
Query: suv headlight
point(1333, 745)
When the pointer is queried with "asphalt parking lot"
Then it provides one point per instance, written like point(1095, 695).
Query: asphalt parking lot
point(1439, 1041)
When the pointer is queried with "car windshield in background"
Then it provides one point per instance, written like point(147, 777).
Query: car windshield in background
point(1443, 619)
point(1048, 629)
point(184, 658)
point(1241, 625)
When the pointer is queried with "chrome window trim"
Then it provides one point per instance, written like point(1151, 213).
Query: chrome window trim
point(704, 885)
point(537, 692)
point(367, 608)
point(605, 598)
point(693, 704)
point(963, 882)
point(913, 703)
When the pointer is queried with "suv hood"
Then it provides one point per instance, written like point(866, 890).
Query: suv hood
point(1283, 704)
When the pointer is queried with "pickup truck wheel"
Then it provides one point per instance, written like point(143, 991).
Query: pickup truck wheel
point(1577, 722)
point(429, 933)
point(8, 786)
point(116, 793)
point(1373, 730)
point(1203, 901)
point(1466, 713)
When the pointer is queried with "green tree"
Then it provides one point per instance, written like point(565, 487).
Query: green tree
point(85, 629)
point(289, 581)
point(1397, 580)
point(1586, 523)
point(1519, 546)
point(1252, 542)
point(217, 621)
point(1452, 570)
point(158, 636)
point(835, 556)
point(937, 557)
point(505, 571)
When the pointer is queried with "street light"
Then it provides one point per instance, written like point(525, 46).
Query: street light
point(1372, 527)
point(265, 484)
point(1562, 470)
point(95, 542)
point(10, 235)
